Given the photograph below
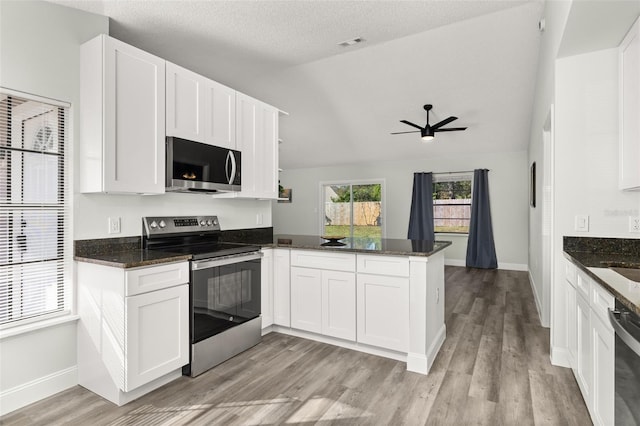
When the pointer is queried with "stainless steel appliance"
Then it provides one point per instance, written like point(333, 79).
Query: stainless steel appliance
point(627, 376)
point(224, 285)
point(199, 167)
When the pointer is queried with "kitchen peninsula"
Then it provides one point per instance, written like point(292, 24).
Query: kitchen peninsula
point(380, 296)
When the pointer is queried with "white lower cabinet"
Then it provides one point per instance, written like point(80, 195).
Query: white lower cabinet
point(583, 347)
point(156, 327)
point(266, 287)
point(306, 299)
point(591, 343)
point(131, 340)
point(323, 296)
point(383, 311)
point(339, 304)
point(281, 287)
point(603, 371)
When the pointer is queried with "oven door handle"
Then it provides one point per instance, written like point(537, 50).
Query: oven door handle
point(626, 337)
point(198, 265)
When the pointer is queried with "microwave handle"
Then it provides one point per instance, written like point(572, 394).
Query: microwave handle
point(232, 158)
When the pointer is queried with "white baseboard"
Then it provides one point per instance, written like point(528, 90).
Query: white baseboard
point(535, 297)
point(501, 265)
point(35, 390)
point(560, 357)
point(420, 363)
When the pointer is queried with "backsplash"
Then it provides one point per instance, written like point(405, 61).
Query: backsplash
point(622, 246)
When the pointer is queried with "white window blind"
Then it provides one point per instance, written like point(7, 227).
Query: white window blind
point(33, 208)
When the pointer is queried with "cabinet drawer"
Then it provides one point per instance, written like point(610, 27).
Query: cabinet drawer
point(570, 272)
point(383, 265)
point(583, 286)
point(142, 280)
point(601, 300)
point(321, 260)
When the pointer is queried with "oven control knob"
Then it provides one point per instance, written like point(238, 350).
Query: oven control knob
point(202, 223)
point(153, 225)
point(208, 223)
point(162, 224)
point(215, 222)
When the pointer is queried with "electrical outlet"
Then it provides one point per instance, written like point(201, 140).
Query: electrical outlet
point(581, 223)
point(634, 223)
point(114, 225)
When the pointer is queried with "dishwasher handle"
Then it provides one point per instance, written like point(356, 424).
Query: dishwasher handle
point(626, 337)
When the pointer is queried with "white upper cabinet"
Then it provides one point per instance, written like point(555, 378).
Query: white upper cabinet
point(185, 103)
point(200, 109)
point(629, 150)
point(220, 115)
point(122, 123)
point(257, 139)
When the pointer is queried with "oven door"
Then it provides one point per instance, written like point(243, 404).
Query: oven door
point(225, 292)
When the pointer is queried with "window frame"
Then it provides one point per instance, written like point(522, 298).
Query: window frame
point(352, 182)
point(451, 177)
point(63, 231)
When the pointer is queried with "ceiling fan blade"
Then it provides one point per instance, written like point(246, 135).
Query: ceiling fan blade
point(399, 133)
point(451, 129)
point(443, 122)
point(411, 124)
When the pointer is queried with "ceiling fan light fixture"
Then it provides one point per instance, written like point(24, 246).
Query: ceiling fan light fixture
point(427, 134)
point(427, 138)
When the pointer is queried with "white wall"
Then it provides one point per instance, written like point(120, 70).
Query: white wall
point(39, 46)
point(586, 153)
point(508, 187)
point(555, 15)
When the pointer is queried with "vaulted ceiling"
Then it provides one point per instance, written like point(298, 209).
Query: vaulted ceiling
point(473, 59)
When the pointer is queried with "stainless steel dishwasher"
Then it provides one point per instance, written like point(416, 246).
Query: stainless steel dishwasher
point(627, 354)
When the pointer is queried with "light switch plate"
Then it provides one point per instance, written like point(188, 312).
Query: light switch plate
point(581, 223)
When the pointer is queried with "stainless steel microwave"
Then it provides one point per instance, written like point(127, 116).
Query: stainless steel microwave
point(199, 167)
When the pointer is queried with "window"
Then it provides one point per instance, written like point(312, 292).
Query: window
point(352, 209)
point(452, 202)
point(34, 257)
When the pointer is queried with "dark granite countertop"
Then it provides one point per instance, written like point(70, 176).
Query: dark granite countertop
point(133, 258)
point(126, 252)
point(388, 246)
point(596, 256)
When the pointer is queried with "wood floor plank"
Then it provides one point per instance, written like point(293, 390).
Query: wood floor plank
point(493, 368)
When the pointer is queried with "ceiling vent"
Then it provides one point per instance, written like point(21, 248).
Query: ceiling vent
point(351, 42)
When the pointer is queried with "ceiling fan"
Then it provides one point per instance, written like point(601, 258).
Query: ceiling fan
point(427, 132)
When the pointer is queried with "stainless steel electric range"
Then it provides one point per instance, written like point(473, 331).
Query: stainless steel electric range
point(224, 287)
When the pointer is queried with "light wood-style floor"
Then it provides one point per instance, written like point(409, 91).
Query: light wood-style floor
point(492, 369)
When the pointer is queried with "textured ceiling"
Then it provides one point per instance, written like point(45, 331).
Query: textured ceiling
point(474, 59)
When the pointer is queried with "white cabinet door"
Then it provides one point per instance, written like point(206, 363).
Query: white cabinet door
point(629, 150)
point(306, 299)
point(383, 311)
point(603, 388)
point(157, 339)
point(339, 304)
point(281, 288)
point(257, 139)
point(570, 321)
point(134, 119)
point(185, 116)
point(583, 347)
point(220, 115)
point(266, 283)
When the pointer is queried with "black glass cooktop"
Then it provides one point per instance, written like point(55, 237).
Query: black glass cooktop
point(209, 250)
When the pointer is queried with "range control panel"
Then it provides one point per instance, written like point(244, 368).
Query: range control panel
point(167, 225)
